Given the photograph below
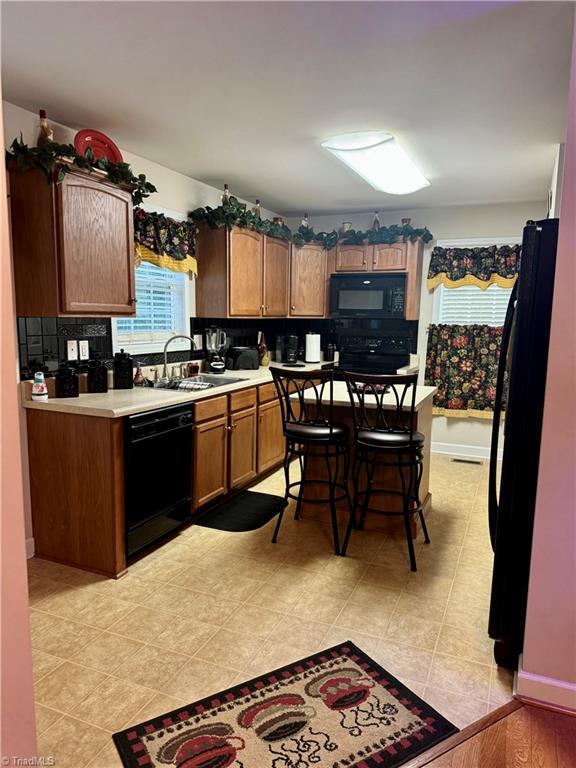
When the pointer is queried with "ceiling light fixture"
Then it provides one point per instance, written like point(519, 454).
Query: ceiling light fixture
point(378, 158)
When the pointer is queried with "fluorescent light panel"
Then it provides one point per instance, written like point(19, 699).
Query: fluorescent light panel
point(377, 157)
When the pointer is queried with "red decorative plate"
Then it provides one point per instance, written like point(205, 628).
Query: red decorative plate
point(100, 144)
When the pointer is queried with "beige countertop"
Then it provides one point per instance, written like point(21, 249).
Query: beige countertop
point(126, 402)
point(341, 398)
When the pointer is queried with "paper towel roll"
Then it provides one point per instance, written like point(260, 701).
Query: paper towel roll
point(312, 354)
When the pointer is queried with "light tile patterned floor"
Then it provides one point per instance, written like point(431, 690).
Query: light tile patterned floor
point(210, 609)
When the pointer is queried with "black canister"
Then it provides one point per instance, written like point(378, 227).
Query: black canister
point(67, 381)
point(97, 376)
point(123, 371)
point(329, 353)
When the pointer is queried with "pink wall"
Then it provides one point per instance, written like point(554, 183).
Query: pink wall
point(550, 641)
point(17, 725)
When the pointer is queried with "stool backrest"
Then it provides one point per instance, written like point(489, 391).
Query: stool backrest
point(305, 397)
point(382, 403)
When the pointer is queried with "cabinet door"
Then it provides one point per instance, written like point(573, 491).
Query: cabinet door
point(352, 258)
point(276, 267)
point(389, 257)
point(308, 281)
point(210, 461)
point(96, 247)
point(271, 442)
point(245, 273)
point(243, 429)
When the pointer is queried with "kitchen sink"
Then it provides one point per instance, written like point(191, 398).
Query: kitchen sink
point(197, 383)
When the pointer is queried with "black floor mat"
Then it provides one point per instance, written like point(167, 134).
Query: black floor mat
point(247, 511)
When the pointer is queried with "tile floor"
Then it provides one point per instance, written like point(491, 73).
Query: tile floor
point(212, 608)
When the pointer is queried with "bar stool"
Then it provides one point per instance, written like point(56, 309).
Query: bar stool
point(307, 406)
point(384, 410)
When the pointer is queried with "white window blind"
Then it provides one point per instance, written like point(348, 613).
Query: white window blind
point(471, 305)
point(161, 309)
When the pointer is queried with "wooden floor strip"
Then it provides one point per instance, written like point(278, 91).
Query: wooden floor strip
point(463, 735)
point(513, 736)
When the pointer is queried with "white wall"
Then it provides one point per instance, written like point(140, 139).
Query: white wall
point(175, 190)
point(469, 436)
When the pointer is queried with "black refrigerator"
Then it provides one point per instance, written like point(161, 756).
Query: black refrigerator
point(520, 392)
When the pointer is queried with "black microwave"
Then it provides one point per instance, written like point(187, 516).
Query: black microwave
point(368, 295)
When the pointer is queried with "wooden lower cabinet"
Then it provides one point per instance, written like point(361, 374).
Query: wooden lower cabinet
point(242, 450)
point(77, 489)
point(270, 436)
point(210, 475)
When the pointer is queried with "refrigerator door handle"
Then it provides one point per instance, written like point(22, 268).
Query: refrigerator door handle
point(492, 495)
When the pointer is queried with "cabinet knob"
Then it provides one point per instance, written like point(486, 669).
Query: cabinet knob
point(228, 428)
point(132, 301)
point(364, 262)
point(292, 307)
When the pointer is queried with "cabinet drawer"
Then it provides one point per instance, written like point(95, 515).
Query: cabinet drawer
point(243, 399)
point(210, 409)
point(267, 393)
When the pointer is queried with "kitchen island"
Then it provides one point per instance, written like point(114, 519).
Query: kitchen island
point(384, 478)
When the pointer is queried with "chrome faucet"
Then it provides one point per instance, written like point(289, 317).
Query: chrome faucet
point(177, 336)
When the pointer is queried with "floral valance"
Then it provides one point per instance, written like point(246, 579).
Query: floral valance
point(165, 242)
point(462, 361)
point(484, 266)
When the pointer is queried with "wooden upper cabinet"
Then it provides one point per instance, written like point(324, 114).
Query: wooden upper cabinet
point(389, 257)
point(308, 281)
point(245, 273)
point(241, 274)
point(352, 258)
point(276, 271)
point(73, 245)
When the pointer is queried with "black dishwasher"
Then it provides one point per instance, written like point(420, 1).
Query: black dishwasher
point(158, 474)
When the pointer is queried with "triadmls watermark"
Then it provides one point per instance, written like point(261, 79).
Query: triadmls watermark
point(6, 760)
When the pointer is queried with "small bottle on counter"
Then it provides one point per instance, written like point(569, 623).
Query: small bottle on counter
point(67, 381)
point(39, 388)
point(139, 380)
point(263, 355)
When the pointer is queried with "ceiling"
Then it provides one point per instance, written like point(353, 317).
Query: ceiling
point(476, 92)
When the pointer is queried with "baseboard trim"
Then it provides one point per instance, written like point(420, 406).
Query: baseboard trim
point(466, 451)
point(547, 691)
point(29, 548)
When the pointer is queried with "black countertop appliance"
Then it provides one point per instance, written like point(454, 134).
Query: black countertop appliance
point(242, 359)
point(123, 370)
point(521, 385)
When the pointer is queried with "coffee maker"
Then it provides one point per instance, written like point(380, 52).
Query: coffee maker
point(287, 349)
point(214, 344)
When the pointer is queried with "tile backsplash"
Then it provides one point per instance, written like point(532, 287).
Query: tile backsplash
point(42, 340)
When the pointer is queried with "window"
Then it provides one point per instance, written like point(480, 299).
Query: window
point(162, 309)
point(469, 304)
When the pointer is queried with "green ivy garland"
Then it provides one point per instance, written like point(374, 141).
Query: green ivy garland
point(53, 160)
point(234, 213)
